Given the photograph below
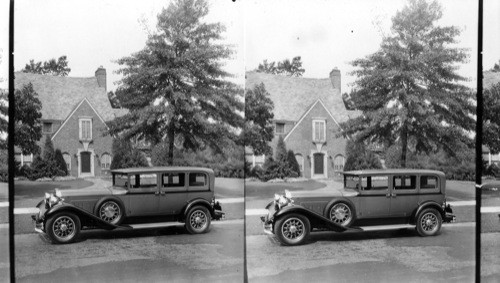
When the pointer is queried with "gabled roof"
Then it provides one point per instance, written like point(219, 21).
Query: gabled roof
point(490, 78)
point(60, 95)
point(293, 96)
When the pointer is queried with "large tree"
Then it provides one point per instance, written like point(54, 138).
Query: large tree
point(51, 67)
point(4, 113)
point(258, 130)
point(491, 117)
point(409, 90)
point(286, 67)
point(176, 89)
point(28, 125)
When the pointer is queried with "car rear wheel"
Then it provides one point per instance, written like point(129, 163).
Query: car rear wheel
point(111, 211)
point(292, 229)
point(63, 227)
point(429, 222)
point(341, 213)
point(198, 220)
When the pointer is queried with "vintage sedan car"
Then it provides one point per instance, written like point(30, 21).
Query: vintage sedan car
point(367, 199)
point(152, 195)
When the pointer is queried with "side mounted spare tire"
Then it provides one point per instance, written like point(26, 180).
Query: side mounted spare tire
point(63, 227)
point(111, 211)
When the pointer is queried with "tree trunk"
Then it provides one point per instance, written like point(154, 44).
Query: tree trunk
point(404, 145)
point(170, 138)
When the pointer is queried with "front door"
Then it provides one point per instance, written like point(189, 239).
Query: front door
point(374, 197)
point(85, 159)
point(144, 196)
point(318, 164)
point(173, 193)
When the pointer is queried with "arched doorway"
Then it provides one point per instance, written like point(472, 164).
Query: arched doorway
point(318, 165)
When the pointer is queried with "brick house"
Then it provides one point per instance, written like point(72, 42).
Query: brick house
point(307, 114)
point(74, 114)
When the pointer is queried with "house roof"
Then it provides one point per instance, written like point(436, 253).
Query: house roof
point(292, 96)
point(490, 78)
point(60, 95)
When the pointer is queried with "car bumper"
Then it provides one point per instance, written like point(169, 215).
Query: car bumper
point(449, 218)
point(38, 219)
point(267, 225)
point(219, 215)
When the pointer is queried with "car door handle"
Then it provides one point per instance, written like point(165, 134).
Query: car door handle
point(388, 195)
point(157, 193)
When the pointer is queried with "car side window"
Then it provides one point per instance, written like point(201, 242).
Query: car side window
point(197, 180)
point(143, 183)
point(173, 181)
point(405, 182)
point(374, 183)
point(428, 183)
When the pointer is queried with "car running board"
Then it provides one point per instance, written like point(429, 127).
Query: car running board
point(151, 225)
point(386, 227)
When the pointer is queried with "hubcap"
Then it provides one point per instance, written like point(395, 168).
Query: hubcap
point(64, 227)
point(293, 229)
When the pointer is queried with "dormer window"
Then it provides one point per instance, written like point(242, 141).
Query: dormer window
point(319, 131)
point(85, 129)
point(280, 128)
point(47, 127)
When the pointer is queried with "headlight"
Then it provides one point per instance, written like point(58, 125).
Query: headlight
point(288, 194)
point(58, 193)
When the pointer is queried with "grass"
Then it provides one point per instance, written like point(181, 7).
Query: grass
point(29, 189)
point(267, 190)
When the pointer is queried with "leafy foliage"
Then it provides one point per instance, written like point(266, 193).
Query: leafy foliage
point(409, 90)
point(28, 125)
point(4, 112)
point(294, 165)
point(491, 118)
point(125, 156)
point(286, 67)
point(496, 67)
point(358, 157)
point(60, 162)
point(227, 164)
point(51, 67)
point(46, 165)
point(115, 103)
point(258, 129)
point(175, 88)
point(279, 167)
point(4, 165)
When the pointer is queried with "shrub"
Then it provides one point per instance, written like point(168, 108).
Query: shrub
point(292, 161)
point(125, 156)
point(61, 164)
point(359, 157)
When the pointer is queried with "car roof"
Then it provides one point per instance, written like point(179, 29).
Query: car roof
point(393, 171)
point(159, 169)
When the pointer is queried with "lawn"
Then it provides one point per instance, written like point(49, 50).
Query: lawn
point(267, 190)
point(31, 189)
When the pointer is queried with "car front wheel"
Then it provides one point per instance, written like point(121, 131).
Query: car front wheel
point(292, 229)
point(429, 222)
point(198, 220)
point(63, 227)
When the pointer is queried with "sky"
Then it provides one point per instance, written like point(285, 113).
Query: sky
point(326, 34)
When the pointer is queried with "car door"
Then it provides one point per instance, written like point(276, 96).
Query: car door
point(173, 192)
point(404, 195)
point(143, 194)
point(374, 197)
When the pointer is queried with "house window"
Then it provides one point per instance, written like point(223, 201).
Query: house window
point(319, 130)
point(67, 159)
point(85, 129)
point(338, 163)
point(105, 161)
point(300, 160)
point(47, 127)
point(280, 128)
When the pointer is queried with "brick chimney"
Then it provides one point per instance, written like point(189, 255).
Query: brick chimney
point(335, 78)
point(100, 75)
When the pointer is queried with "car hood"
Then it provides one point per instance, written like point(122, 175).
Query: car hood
point(327, 191)
point(95, 190)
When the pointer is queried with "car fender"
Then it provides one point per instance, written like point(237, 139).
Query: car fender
point(427, 204)
point(198, 201)
point(103, 199)
point(83, 214)
point(348, 201)
point(311, 215)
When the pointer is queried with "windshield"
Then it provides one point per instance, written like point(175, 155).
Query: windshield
point(351, 181)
